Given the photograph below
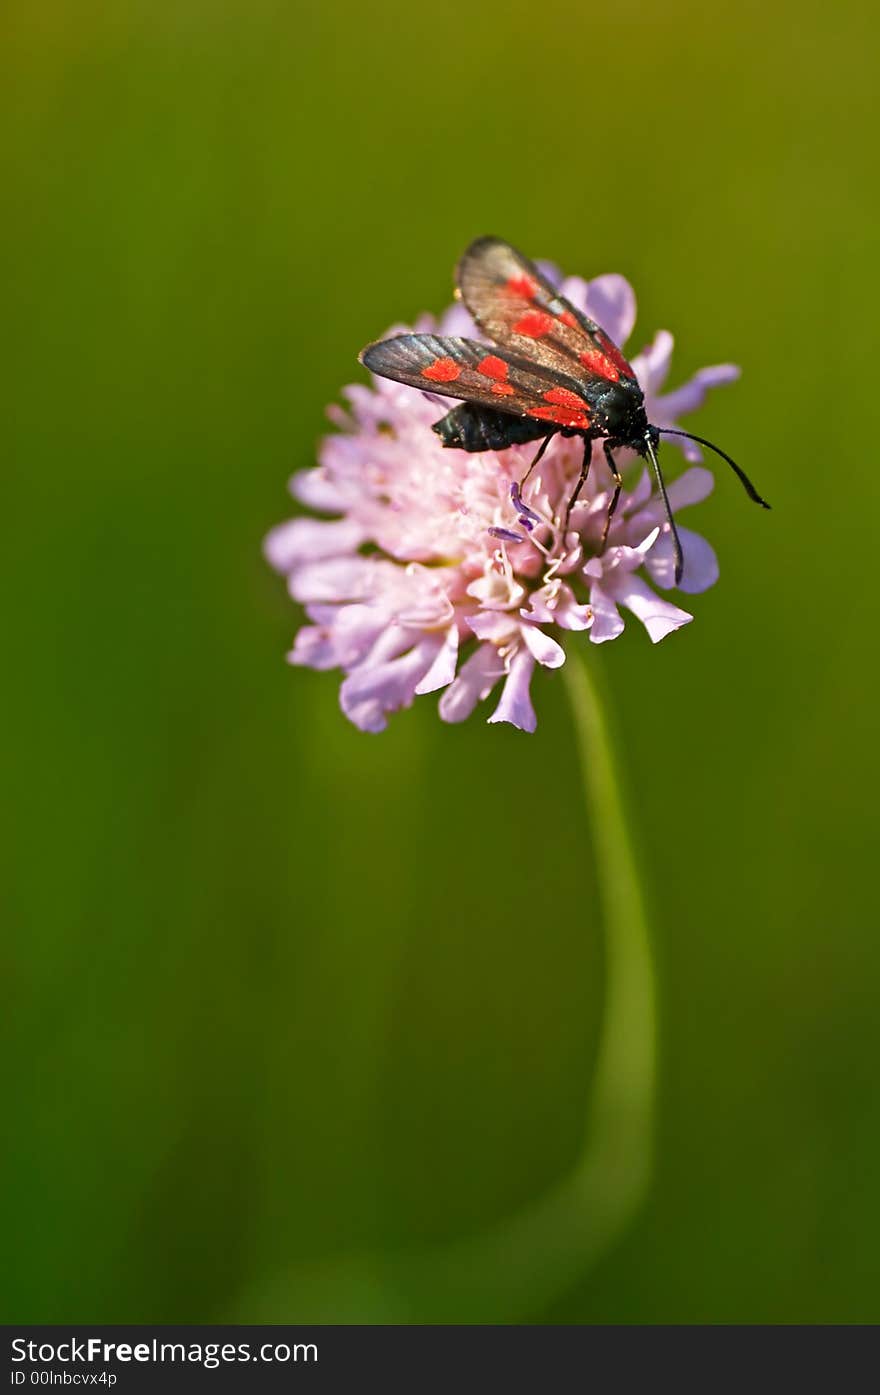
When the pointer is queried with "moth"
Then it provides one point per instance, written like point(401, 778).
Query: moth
point(550, 370)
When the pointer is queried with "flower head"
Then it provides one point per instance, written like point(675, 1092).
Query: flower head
point(445, 571)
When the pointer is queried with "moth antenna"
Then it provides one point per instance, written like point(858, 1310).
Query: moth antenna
point(740, 473)
point(676, 541)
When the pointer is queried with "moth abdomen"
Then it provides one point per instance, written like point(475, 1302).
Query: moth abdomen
point(474, 429)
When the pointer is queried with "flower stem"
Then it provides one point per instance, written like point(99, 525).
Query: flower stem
point(512, 1270)
point(617, 1167)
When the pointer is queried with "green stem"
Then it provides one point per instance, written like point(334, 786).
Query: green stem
point(512, 1270)
point(621, 1121)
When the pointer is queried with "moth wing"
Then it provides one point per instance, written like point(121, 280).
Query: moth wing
point(514, 304)
point(478, 373)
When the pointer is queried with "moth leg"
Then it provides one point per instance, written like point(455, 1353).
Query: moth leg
point(585, 470)
point(540, 451)
point(618, 485)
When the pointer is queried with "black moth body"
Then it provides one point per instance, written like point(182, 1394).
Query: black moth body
point(554, 371)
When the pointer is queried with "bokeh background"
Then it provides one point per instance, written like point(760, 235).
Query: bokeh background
point(276, 990)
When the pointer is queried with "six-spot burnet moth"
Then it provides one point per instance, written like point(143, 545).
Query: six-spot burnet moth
point(553, 371)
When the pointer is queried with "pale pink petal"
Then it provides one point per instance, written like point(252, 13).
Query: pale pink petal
point(429, 607)
point(692, 394)
point(542, 647)
point(313, 647)
point(317, 491)
point(392, 641)
point(368, 405)
point(369, 715)
point(665, 411)
point(442, 670)
point(372, 690)
point(339, 417)
point(356, 628)
point(542, 606)
point(659, 617)
point(515, 704)
point(474, 682)
point(496, 590)
point(309, 540)
point(700, 569)
point(638, 496)
point(555, 604)
point(550, 271)
point(611, 302)
point(652, 364)
point(338, 579)
point(495, 625)
point(457, 320)
point(689, 449)
point(621, 558)
point(692, 487)
point(607, 620)
point(361, 397)
point(575, 289)
point(322, 614)
point(571, 616)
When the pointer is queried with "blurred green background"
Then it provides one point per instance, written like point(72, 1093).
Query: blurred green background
point(277, 990)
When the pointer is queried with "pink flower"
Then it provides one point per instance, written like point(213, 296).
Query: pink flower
point(436, 573)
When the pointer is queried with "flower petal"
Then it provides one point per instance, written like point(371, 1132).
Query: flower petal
point(571, 616)
point(374, 689)
point(575, 289)
point(442, 670)
point(316, 490)
point(310, 539)
point(665, 411)
point(692, 394)
point(474, 682)
point(555, 604)
point(515, 704)
point(549, 270)
point(611, 302)
point(542, 647)
point(496, 590)
point(638, 496)
point(692, 487)
point(356, 628)
point(700, 570)
point(652, 364)
point(313, 647)
point(366, 716)
point(607, 620)
point(457, 320)
point(659, 617)
point(335, 579)
point(498, 626)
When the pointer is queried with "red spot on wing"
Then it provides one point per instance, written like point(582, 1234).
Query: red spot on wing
point(534, 323)
point(521, 285)
point(562, 416)
point(569, 319)
point(616, 357)
point(442, 370)
point(596, 362)
point(503, 389)
point(493, 367)
point(563, 398)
